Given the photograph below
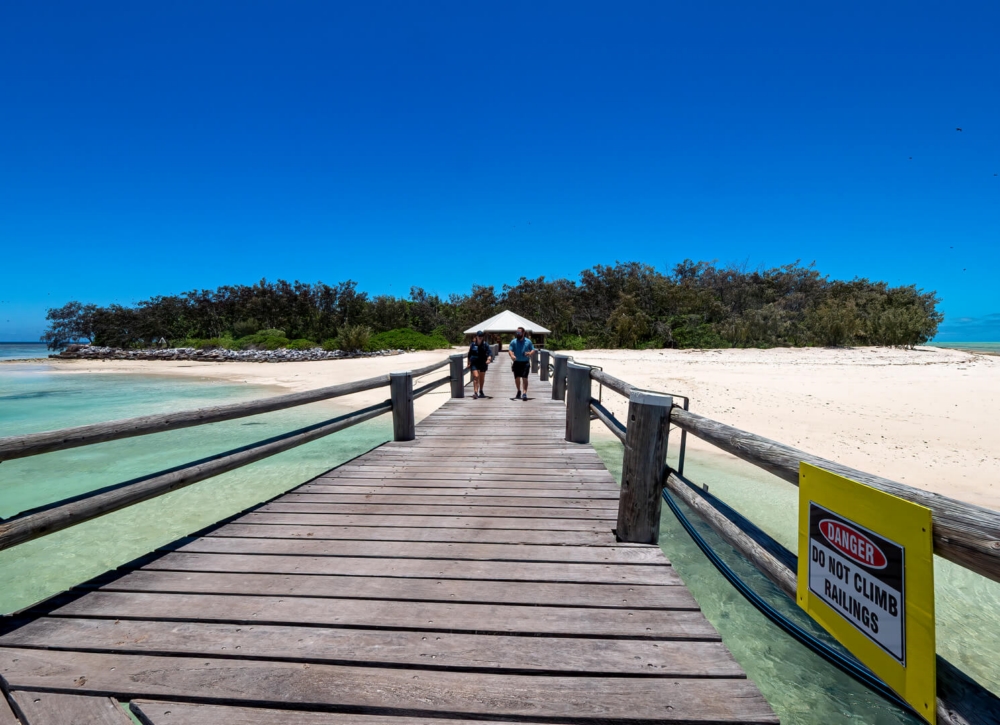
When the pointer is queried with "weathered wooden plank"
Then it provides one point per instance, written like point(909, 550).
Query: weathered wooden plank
point(162, 712)
point(424, 550)
point(494, 502)
point(418, 568)
point(374, 509)
point(368, 464)
point(636, 596)
point(434, 488)
point(50, 708)
point(392, 692)
point(398, 533)
point(6, 715)
point(378, 614)
point(443, 522)
point(582, 478)
point(661, 658)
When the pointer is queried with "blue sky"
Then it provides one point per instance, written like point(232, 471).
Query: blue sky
point(150, 148)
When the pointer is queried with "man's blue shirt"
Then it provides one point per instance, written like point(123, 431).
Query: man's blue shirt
point(521, 348)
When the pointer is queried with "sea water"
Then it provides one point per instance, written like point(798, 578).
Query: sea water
point(990, 348)
point(23, 350)
point(33, 398)
point(800, 686)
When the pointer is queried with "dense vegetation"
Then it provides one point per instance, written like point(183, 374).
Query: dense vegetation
point(627, 305)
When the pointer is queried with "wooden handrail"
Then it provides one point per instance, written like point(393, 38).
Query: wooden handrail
point(964, 533)
point(607, 417)
point(38, 522)
point(33, 444)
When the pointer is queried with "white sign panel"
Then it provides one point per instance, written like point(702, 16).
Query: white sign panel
point(859, 575)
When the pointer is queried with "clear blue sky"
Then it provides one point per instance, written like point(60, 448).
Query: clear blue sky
point(151, 147)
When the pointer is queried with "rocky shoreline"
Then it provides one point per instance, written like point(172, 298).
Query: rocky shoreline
point(90, 352)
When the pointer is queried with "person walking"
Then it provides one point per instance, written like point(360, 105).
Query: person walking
point(480, 357)
point(520, 350)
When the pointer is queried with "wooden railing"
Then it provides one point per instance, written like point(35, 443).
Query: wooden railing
point(37, 522)
point(964, 533)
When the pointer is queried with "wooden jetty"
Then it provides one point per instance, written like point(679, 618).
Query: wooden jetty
point(468, 574)
point(484, 566)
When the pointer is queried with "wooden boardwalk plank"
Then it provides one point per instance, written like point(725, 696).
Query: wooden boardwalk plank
point(418, 568)
point(49, 708)
point(446, 650)
point(411, 550)
point(160, 712)
point(387, 692)
point(377, 509)
point(6, 714)
point(425, 616)
point(410, 534)
point(477, 521)
point(428, 590)
point(470, 574)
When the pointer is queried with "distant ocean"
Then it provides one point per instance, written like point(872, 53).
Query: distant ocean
point(22, 350)
point(990, 348)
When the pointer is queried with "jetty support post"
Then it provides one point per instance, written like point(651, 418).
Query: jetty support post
point(534, 362)
point(404, 427)
point(457, 375)
point(543, 365)
point(559, 362)
point(643, 467)
point(577, 403)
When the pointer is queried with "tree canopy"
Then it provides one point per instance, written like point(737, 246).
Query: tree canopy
point(627, 305)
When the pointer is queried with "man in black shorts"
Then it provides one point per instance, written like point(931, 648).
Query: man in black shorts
point(520, 350)
point(480, 357)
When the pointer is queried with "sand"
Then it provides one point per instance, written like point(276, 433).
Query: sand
point(923, 417)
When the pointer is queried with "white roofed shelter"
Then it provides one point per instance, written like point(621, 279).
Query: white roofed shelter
point(505, 322)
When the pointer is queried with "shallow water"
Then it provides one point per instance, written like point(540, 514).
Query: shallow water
point(800, 686)
point(33, 398)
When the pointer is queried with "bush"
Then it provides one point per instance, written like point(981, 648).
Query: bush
point(245, 327)
point(567, 342)
point(691, 331)
point(301, 344)
point(262, 341)
point(331, 345)
point(208, 343)
point(407, 339)
point(353, 338)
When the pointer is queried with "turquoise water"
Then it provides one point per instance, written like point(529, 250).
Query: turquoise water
point(33, 398)
point(22, 350)
point(992, 348)
point(802, 688)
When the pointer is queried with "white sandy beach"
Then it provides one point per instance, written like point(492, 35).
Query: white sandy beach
point(923, 417)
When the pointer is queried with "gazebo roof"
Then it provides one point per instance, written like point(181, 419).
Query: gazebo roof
point(507, 321)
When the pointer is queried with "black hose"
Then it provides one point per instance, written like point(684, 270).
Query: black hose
point(845, 663)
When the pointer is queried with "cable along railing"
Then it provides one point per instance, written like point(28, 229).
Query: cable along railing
point(963, 533)
point(47, 519)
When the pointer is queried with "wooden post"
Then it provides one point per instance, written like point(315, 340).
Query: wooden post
point(404, 427)
point(559, 376)
point(457, 376)
point(534, 362)
point(643, 467)
point(543, 365)
point(577, 403)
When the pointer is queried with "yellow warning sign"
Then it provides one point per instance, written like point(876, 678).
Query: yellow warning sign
point(866, 573)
